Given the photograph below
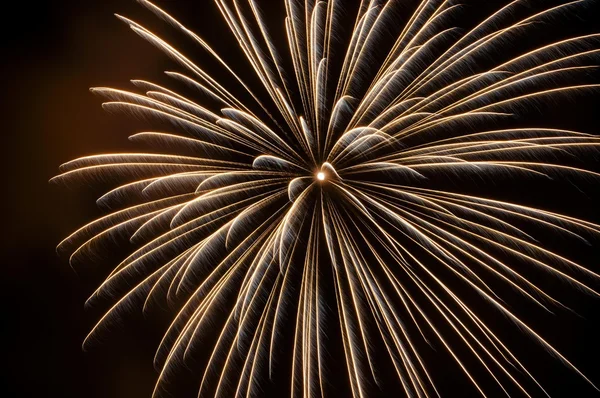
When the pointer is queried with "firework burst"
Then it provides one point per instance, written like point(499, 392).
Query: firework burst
point(318, 210)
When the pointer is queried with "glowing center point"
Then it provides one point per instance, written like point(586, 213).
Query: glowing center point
point(321, 176)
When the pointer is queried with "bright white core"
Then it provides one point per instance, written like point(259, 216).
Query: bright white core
point(321, 176)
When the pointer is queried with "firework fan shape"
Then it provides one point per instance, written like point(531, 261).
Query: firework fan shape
point(315, 210)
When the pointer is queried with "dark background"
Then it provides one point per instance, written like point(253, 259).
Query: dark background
point(52, 53)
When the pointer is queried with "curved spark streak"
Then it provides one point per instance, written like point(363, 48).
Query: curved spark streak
point(330, 179)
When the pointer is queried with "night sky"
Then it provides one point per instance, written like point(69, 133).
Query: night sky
point(52, 53)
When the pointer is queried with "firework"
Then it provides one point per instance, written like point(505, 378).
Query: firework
point(314, 208)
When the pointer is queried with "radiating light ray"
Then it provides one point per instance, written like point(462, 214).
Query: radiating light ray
point(329, 175)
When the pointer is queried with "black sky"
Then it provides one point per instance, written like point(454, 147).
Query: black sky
point(52, 53)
